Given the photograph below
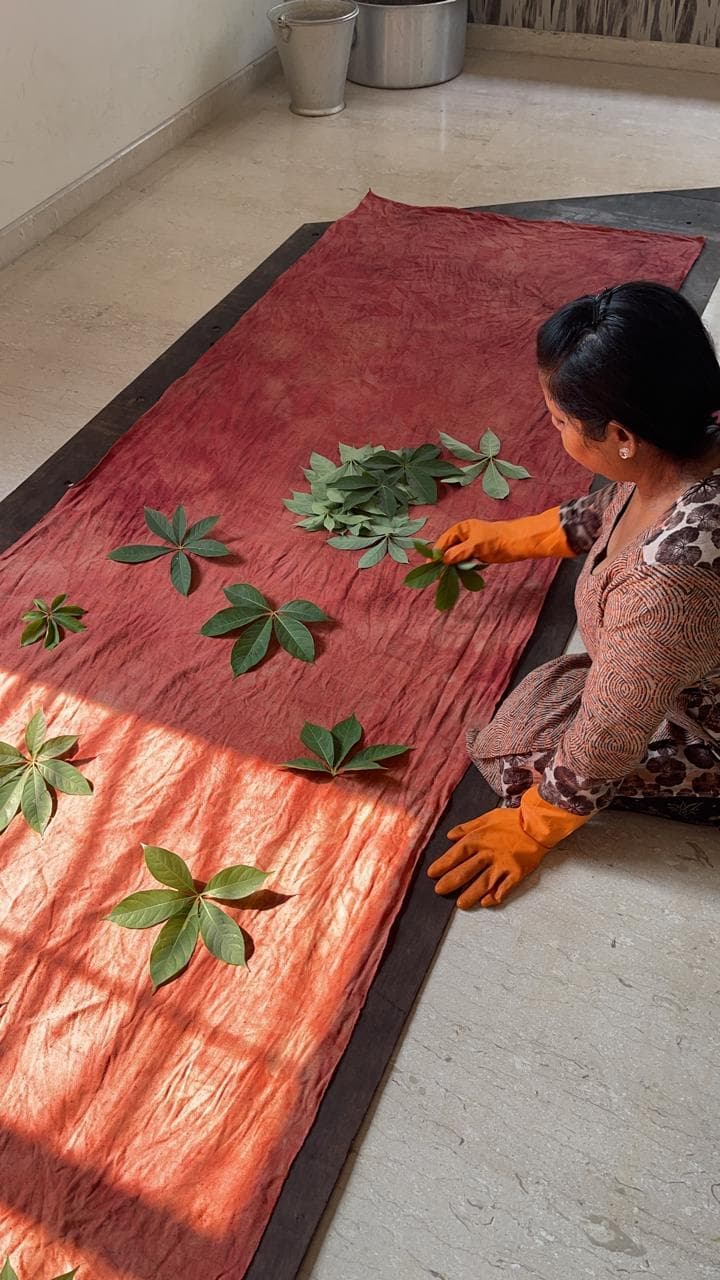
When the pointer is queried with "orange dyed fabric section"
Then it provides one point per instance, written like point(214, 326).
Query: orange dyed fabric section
point(148, 1136)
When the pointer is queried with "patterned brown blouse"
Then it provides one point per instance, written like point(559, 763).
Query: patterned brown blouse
point(638, 715)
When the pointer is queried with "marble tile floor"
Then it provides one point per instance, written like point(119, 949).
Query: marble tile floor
point(553, 1111)
point(87, 310)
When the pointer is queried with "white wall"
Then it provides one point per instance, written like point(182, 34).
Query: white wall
point(81, 79)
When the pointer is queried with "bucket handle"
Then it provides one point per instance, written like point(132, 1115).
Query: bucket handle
point(285, 28)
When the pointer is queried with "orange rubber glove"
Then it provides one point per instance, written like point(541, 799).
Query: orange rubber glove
point(502, 541)
point(495, 852)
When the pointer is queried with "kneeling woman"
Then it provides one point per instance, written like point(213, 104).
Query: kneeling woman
point(632, 384)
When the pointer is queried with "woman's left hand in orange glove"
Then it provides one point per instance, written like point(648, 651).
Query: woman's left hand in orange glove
point(495, 852)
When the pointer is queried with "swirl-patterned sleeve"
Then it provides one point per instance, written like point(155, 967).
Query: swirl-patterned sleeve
point(660, 636)
point(581, 518)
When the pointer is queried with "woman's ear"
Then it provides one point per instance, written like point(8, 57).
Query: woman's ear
point(621, 441)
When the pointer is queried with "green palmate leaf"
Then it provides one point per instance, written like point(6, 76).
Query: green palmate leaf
point(180, 573)
point(25, 784)
point(52, 635)
point(11, 791)
point(206, 547)
point(251, 647)
point(233, 883)
point(175, 944)
point(183, 542)
point(159, 524)
point(35, 733)
point(252, 611)
point(243, 596)
point(36, 801)
point(294, 637)
point(231, 619)
point(424, 574)
point(304, 610)
point(54, 747)
point(334, 746)
point(147, 907)
point(179, 524)
point(168, 868)
point(33, 631)
point(306, 763)
point(64, 777)
point(486, 462)
point(320, 741)
point(138, 554)
point(494, 484)
point(374, 555)
point(221, 935)
point(346, 735)
point(57, 601)
point(200, 528)
point(7, 1272)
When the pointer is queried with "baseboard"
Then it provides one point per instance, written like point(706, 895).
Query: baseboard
point(565, 44)
point(52, 214)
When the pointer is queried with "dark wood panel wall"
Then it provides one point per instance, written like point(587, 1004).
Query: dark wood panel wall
point(679, 21)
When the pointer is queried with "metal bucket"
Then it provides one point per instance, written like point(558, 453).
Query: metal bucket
point(404, 45)
point(313, 39)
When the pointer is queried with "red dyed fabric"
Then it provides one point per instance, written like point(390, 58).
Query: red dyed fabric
point(148, 1135)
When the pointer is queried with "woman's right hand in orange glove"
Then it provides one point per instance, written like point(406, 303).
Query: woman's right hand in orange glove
point(503, 541)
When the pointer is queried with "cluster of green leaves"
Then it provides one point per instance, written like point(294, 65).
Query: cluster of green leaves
point(182, 541)
point(250, 612)
point(484, 461)
point(49, 622)
point(449, 578)
point(391, 480)
point(390, 537)
point(189, 912)
point(365, 499)
point(27, 782)
point(8, 1273)
point(333, 747)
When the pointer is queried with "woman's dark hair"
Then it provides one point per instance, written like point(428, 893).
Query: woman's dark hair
point(638, 355)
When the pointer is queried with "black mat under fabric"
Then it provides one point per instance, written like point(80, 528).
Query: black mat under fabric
point(424, 916)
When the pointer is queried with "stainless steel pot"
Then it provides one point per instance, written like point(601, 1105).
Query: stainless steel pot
point(404, 45)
